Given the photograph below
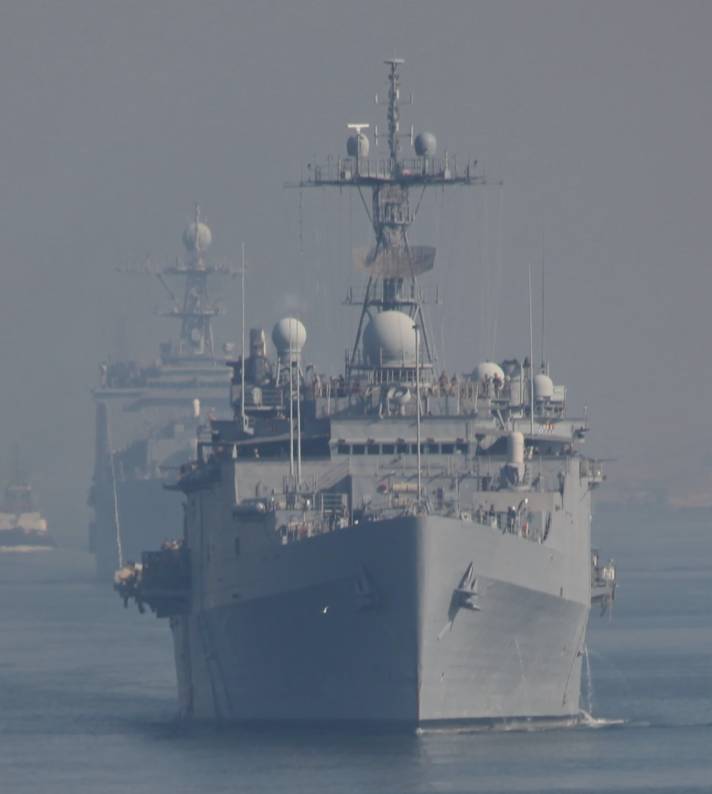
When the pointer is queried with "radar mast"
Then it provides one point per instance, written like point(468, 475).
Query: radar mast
point(392, 266)
point(195, 310)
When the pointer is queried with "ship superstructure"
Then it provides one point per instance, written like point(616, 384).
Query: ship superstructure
point(147, 414)
point(391, 545)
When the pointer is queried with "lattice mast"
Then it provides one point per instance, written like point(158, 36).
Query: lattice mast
point(195, 310)
point(392, 265)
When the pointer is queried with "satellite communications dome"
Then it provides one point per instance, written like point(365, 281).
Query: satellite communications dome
point(426, 144)
point(488, 369)
point(389, 340)
point(197, 236)
point(543, 387)
point(357, 145)
point(289, 336)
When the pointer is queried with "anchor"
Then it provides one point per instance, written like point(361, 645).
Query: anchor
point(464, 596)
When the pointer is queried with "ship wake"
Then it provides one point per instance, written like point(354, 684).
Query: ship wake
point(581, 720)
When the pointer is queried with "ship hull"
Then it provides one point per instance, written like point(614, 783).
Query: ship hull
point(372, 625)
point(14, 538)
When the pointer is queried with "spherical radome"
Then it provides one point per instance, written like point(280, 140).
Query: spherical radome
point(426, 144)
point(543, 386)
point(357, 145)
point(197, 236)
point(389, 340)
point(289, 335)
point(488, 369)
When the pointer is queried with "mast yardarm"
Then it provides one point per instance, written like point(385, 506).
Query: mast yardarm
point(195, 310)
point(392, 266)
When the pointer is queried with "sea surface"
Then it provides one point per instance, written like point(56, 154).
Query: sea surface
point(87, 698)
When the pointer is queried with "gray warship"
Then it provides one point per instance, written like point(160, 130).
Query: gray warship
point(391, 546)
point(147, 414)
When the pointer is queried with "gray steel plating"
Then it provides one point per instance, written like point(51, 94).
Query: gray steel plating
point(411, 619)
point(388, 546)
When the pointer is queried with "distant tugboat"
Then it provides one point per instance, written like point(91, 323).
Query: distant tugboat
point(21, 526)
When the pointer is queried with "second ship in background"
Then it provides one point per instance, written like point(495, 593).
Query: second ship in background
point(147, 415)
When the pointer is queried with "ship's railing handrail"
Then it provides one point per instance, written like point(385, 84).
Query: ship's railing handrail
point(408, 293)
point(592, 469)
point(515, 520)
point(316, 515)
point(469, 395)
point(263, 396)
point(348, 169)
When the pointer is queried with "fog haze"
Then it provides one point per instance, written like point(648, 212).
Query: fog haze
point(116, 117)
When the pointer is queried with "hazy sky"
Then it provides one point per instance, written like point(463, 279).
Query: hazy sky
point(116, 116)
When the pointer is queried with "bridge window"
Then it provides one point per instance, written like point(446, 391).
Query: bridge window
point(388, 449)
point(403, 449)
point(373, 449)
point(447, 449)
point(342, 449)
point(358, 449)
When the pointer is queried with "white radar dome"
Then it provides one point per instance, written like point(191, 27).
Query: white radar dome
point(488, 369)
point(289, 336)
point(543, 387)
point(357, 145)
point(426, 144)
point(389, 340)
point(197, 236)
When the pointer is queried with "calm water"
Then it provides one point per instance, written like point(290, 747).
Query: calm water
point(87, 695)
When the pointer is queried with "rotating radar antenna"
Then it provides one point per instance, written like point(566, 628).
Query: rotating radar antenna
point(391, 265)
